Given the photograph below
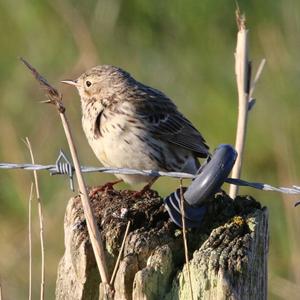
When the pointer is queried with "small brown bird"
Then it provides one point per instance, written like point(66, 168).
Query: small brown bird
point(131, 125)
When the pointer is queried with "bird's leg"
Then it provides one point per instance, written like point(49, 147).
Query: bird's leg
point(146, 188)
point(106, 186)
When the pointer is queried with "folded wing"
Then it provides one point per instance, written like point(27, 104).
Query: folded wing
point(162, 118)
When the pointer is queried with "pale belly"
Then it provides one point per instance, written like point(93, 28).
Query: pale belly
point(113, 151)
point(127, 147)
point(119, 147)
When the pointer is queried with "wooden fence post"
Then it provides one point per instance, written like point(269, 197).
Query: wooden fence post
point(228, 253)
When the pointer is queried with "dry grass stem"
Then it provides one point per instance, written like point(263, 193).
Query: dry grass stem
point(243, 76)
point(186, 251)
point(245, 92)
point(257, 76)
point(240, 18)
point(93, 230)
point(54, 97)
point(120, 255)
point(41, 221)
point(30, 242)
point(0, 292)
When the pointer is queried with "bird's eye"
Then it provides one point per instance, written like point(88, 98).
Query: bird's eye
point(88, 83)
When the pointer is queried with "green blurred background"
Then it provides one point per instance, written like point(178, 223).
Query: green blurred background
point(184, 48)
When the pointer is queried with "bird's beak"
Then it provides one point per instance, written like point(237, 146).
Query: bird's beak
point(70, 82)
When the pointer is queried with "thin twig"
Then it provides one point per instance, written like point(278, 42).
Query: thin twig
point(41, 222)
point(186, 252)
point(93, 230)
point(257, 76)
point(243, 77)
point(30, 242)
point(119, 256)
point(0, 291)
point(54, 97)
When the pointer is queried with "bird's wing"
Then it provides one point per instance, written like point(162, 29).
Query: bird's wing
point(162, 118)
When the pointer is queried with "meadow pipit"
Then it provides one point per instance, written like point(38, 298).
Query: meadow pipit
point(131, 125)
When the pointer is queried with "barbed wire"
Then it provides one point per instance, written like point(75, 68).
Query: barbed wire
point(64, 167)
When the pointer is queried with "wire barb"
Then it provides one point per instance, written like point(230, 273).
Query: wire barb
point(64, 167)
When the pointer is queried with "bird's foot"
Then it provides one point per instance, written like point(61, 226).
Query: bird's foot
point(139, 194)
point(109, 186)
point(145, 189)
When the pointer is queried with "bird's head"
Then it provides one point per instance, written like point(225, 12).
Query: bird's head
point(100, 82)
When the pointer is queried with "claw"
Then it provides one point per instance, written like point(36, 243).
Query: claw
point(106, 187)
point(145, 189)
